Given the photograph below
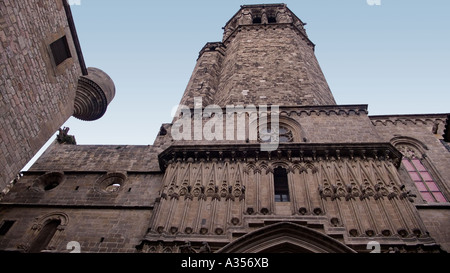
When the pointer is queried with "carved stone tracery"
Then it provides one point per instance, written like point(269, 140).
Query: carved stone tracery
point(409, 151)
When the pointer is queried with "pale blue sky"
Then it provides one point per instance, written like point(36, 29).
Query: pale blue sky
point(394, 57)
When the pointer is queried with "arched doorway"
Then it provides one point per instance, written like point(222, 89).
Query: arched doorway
point(286, 237)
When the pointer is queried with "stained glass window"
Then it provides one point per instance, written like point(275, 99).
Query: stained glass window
point(423, 180)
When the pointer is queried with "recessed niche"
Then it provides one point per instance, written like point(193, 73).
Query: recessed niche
point(188, 230)
point(353, 232)
point(235, 221)
point(402, 232)
point(317, 211)
point(386, 232)
point(302, 211)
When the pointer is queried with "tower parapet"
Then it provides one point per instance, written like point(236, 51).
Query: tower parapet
point(263, 15)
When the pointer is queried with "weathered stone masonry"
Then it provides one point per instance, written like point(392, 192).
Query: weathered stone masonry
point(37, 95)
point(341, 170)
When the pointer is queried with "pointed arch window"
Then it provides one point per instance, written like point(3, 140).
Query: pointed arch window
point(420, 170)
point(423, 180)
point(281, 186)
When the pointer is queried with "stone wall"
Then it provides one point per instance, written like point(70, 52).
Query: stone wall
point(82, 188)
point(309, 124)
point(41, 87)
point(271, 65)
point(95, 229)
point(98, 158)
point(103, 211)
point(36, 96)
point(424, 135)
point(437, 221)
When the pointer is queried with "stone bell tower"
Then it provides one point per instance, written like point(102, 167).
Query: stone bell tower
point(265, 57)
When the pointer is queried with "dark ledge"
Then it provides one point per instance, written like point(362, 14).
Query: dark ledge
point(298, 151)
point(433, 206)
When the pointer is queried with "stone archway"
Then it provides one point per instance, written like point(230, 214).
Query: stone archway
point(285, 237)
point(46, 233)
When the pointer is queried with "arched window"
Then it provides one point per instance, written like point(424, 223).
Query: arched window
point(282, 130)
point(423, 180)
point(281, 187)
point(415, 164)
point(110, 183)
point(284, 134)
point(45, 236)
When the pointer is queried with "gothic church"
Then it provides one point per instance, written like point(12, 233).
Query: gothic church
point(336, 180)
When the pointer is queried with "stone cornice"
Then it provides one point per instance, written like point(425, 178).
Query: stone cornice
point(446, 134)
point(212, 47)
point(266, 26)
point(286, 19)
point(404, 119)
point(307, 110)
point(324, 109)
point(77, 206)
point(289, 151)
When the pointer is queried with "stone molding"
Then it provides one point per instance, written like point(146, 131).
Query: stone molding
point(299, 151)
point(430, 119)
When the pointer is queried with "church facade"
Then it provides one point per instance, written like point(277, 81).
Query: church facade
point(259, 158)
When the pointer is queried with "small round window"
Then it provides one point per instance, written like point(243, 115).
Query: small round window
point(113, 187)
point(48, 181)
point(110, 183)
